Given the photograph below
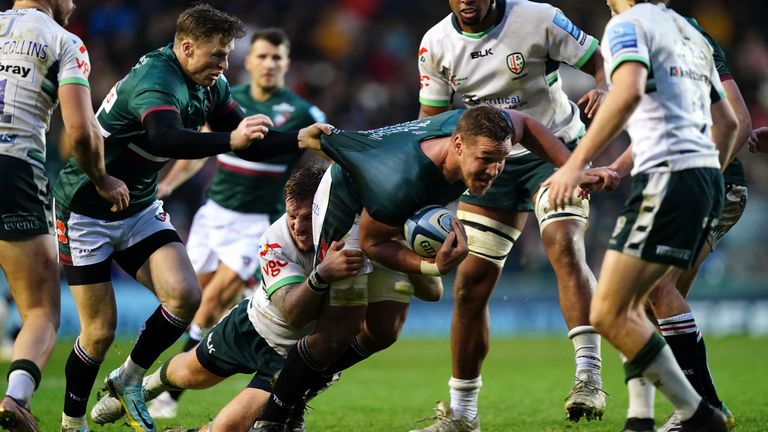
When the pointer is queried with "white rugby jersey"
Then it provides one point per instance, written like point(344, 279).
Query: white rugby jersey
point(671, 126)
point(513, 65)
point(36, 57)
point(282, 263)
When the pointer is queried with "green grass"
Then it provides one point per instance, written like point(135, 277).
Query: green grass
point(525, 381)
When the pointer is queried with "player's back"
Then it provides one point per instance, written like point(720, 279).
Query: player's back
point(36, 56)
point(673, 121)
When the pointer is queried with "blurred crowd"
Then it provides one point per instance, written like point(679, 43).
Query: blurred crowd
point(356, 59)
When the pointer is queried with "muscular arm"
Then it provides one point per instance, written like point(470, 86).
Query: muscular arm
point(724, 130)
point(428, 111)
point(298, 304)
point(534, 136)
point(742, 116)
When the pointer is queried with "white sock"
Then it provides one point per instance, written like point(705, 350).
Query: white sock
point(464, 397)
point(21, 386)
point(131, 372)
point(586, 344)
point(666, 375)
point(153, 385)
point(73, 422)
point(195, 332)
point(641, 398)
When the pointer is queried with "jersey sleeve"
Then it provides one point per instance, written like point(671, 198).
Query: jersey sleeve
point(719, 56)
point(74, 65)
point(148, 97)
point(624, 41)
point(434, 87)
point(277, 270)
point(566, 42)
point(717, 91)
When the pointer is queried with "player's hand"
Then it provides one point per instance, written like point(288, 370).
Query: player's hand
point(562, 185)
point(251, 128)
point(454, 248)
point(599, 178)
point(340, 263)
point(114, 191)
point(591, 101)
point(309, 137)
point(758, 141)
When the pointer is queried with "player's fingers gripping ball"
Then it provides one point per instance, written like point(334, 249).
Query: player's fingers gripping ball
point(426, 230)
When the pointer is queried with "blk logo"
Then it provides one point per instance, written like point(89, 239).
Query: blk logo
point(482, 53)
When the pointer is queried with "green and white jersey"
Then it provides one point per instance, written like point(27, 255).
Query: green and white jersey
point(282, 263)
point(257, 187)
point(155, 83)
point(37, 56)
point(385, 170)
point(671, 125)
point(511, 65)
point(734, 172)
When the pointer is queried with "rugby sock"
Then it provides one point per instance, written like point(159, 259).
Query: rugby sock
point(195, 335)
point(23, 379)
point(157, 382)
point(681, 334)
point(641, 398)
point(708, 391)
point(586, 344)
point(160, 331)
point(464, 397)
point(656, 363)
point(299, 371)
point(73, 422)
point(353, 355)
point(80, 372)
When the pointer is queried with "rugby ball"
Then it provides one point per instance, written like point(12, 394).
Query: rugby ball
point(426, 229)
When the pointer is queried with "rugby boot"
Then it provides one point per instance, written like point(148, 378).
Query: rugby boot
point(15, 417)
point(444, 422)
point(131, 397)
point(586, 399)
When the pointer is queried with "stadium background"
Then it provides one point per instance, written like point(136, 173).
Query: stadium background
point(356, 59)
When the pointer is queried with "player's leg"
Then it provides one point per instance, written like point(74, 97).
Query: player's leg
point(32, 274)
point(28, 258)
point(562, 234)
point(653, 233)
point(238, 414)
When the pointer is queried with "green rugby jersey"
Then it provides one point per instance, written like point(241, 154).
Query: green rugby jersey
point(387, 170)
point(257, 187)
point(734, 172)
point(156, 82)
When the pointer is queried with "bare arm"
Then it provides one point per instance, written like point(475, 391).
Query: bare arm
point(594, 98)
point(428, 111)
point(181, 171)
point(88, 145)
point(742, 116)
point(724, 130)
point(376, 240)
point(534, 136)
point(299, 303)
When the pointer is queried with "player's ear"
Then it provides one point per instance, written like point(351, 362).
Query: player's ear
point(457, 143)
point(187, 47)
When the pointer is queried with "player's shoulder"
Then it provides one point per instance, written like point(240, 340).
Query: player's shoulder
point(277, 241)
point(532, 12)
point(157, 70)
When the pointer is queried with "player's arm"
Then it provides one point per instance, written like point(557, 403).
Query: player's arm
point(376, 240)
point(88, 144)
point(629, 80)
point(534, 136)
point(736, 100)
point(724, 130)
point(592, 100)
point(300, 303)
point(428, 110)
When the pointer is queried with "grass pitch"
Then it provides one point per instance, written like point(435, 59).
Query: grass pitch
point(525, 382)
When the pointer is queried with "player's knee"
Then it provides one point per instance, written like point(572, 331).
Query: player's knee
point(184, 306)
point(488, 239)
point(384, 334)
point(97, 339)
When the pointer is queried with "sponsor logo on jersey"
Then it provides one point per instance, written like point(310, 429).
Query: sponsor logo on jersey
point(424, 81)
point(20, 221)
point(673, 252)
point(516, 63)
point(22, 71)
point(273, 267)
point(161, 215)
point(422, 57)
point(83, 66)
point(623, 36)
point(61, 232)
point(456, 81)
point(564, 23)
point(267, 247)
point(8, 138)
point(480, 54)
point(678, 72)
